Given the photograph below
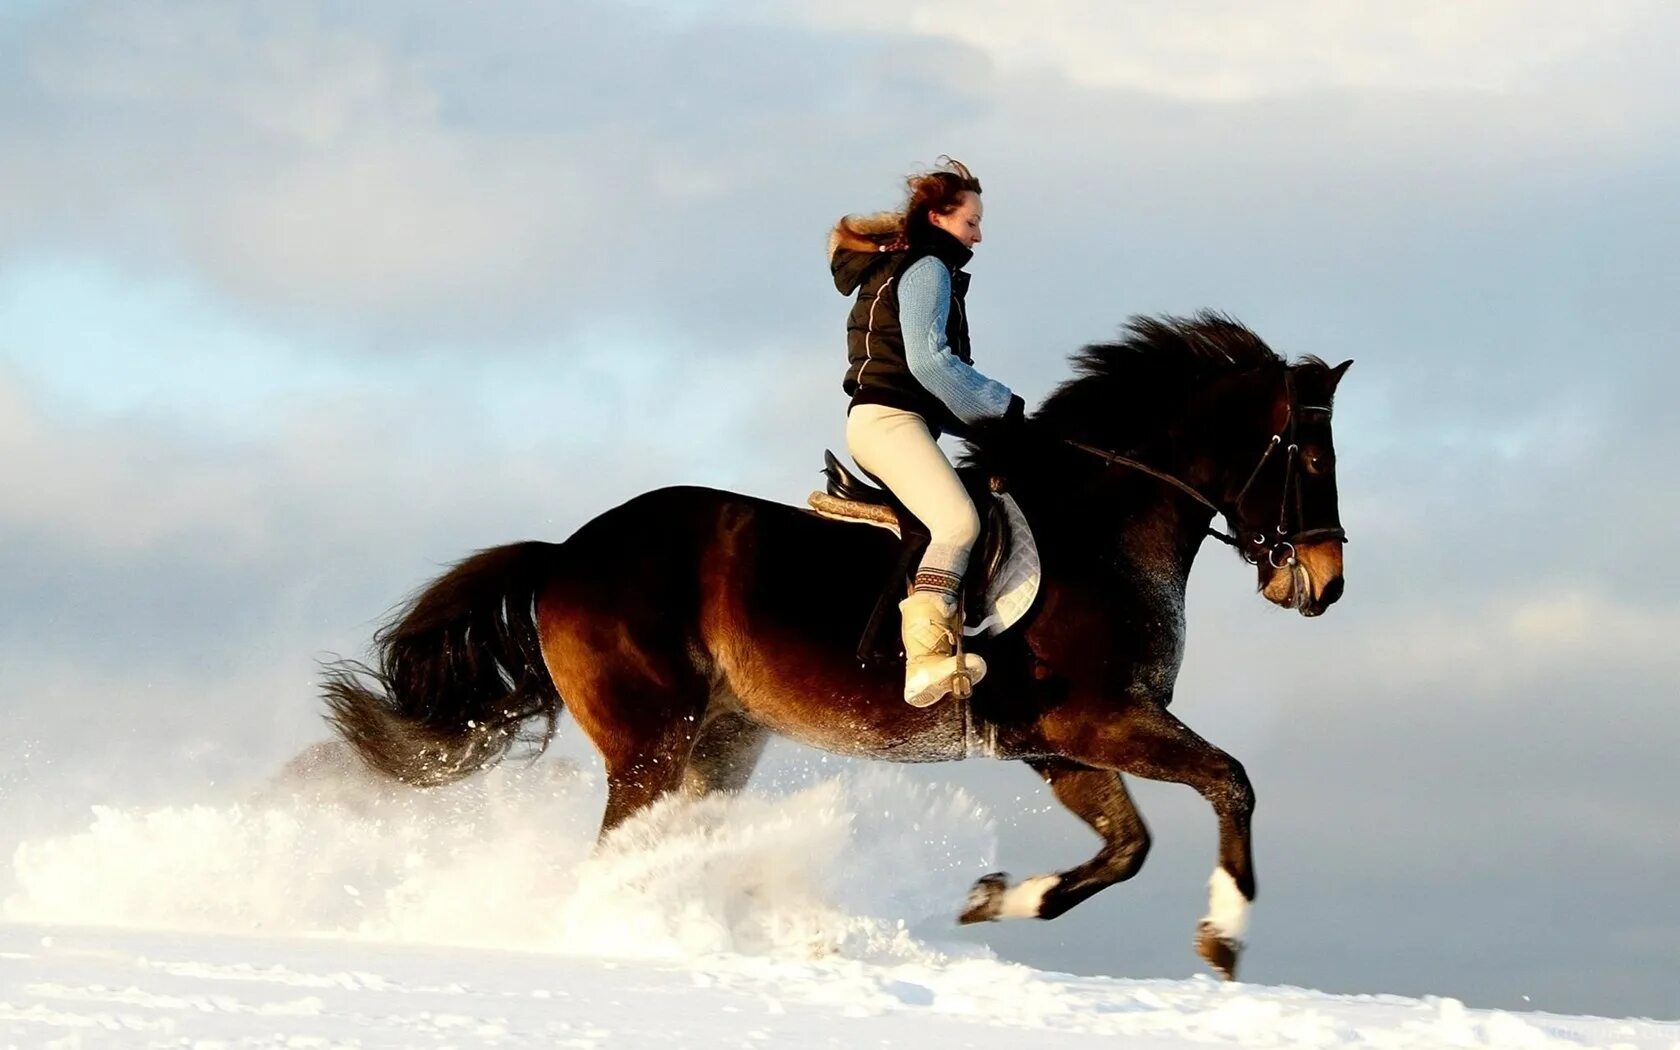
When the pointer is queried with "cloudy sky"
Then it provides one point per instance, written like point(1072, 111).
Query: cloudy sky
point(301, 302)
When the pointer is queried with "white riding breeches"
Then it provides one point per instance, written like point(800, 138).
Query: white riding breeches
point(896, 447)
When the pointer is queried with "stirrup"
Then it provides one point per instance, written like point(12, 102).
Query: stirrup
point(950, 679)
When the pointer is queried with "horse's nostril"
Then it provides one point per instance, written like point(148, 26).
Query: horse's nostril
point(1332, 591)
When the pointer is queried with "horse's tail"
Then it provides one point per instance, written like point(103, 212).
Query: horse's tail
point(459, 673)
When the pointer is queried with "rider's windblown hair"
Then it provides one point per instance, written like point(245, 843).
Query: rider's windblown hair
point(939, 191)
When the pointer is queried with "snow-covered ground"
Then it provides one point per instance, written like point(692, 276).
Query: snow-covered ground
point(329, 911)
point(97, 987)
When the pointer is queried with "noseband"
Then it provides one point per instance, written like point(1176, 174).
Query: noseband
point(1253, 541)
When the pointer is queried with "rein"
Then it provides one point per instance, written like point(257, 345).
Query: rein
point(1287, 538)
point(1121, 461)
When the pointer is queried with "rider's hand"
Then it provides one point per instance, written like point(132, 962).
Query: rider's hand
point(1015, 416)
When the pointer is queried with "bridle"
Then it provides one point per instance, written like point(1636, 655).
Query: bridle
point(1252, 541)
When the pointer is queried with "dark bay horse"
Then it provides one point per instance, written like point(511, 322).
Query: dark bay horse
point(684, 626)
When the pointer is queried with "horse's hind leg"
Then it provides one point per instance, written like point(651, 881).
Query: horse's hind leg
point(1099, 798)
point(724, 757)
point(644, 763)
point(640, 704)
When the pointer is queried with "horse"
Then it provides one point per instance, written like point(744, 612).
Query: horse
point(684, 626)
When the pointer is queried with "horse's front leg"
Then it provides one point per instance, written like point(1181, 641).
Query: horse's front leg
point(1099, 798)
point(1145, 740)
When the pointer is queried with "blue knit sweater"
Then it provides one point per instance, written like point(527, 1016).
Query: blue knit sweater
point(924, 307)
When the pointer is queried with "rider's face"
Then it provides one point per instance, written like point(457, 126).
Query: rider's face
point(964, 223)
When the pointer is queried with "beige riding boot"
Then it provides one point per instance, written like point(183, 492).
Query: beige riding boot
point(933, 668)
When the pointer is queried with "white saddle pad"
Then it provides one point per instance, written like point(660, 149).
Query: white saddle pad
point(1016, 583)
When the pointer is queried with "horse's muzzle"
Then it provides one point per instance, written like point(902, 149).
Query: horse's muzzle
point(1309, 582)
point(1317, 577)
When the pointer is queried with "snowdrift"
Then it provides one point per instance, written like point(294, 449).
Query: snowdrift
point(334, 910)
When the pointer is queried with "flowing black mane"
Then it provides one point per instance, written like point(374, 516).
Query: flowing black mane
point(1126, 393)
point(1147, 373)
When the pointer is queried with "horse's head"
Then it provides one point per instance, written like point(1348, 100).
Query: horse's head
point(1285, 506)
point(1203, 405)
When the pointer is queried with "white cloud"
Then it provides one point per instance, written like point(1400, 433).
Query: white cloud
point(1228, 50)
point(408, 222)
point(485, 183)
point(1512, 640)
point(293, 162)
point(100, 487)
point(273, 75)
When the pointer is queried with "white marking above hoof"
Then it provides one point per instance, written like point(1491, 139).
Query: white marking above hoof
point(1227, 907)
point(1022, 900)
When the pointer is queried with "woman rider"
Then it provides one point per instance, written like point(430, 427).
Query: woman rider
point(911, 377)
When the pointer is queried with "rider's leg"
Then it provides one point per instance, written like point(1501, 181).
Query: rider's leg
point(896, 446)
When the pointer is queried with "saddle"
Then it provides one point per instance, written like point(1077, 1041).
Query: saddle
point(850, 498)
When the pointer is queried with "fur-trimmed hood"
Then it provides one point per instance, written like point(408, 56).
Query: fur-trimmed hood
point(858, 243)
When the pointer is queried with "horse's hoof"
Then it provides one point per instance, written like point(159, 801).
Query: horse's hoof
point(1221, 953)
point(985, 898)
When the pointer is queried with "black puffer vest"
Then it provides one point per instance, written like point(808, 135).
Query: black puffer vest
point(876, 371)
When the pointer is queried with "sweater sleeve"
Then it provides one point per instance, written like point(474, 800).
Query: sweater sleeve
point(924, 307)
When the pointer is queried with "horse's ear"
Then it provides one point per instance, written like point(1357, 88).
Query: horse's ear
point(1336, 373)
